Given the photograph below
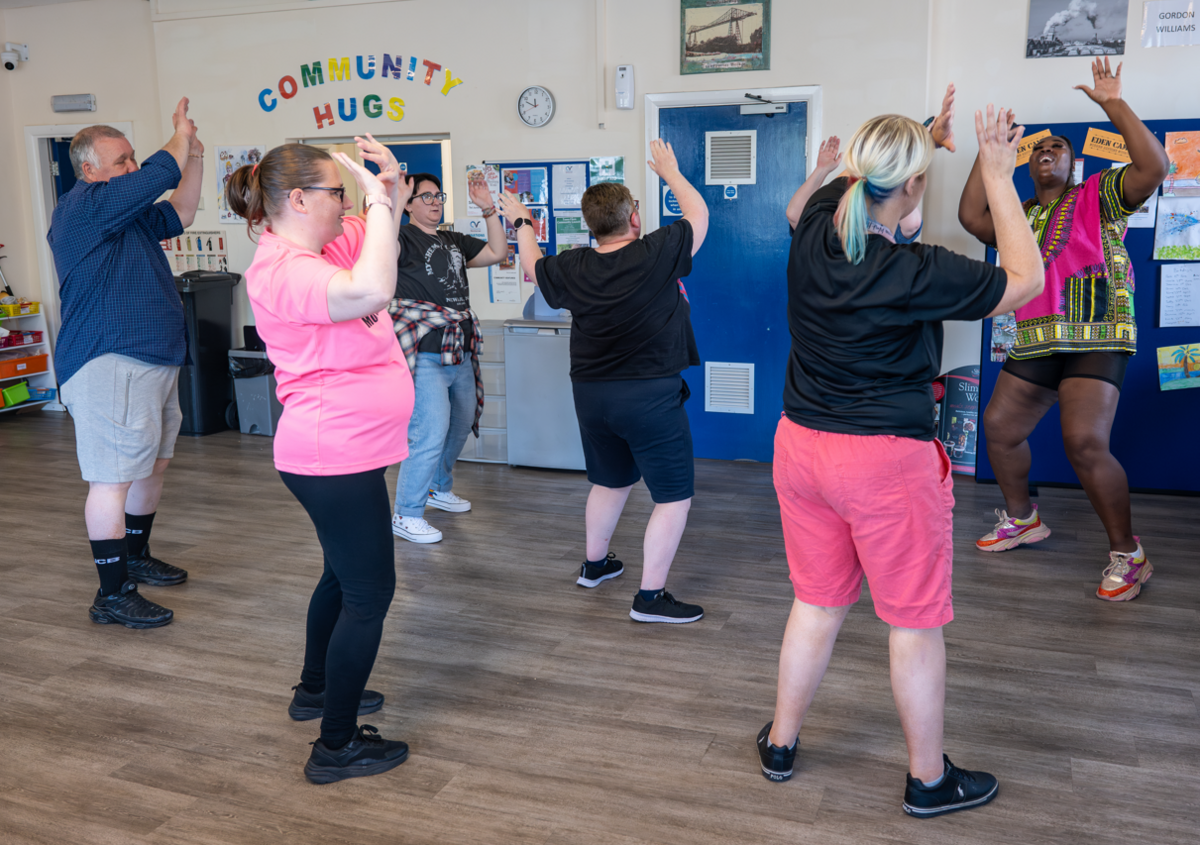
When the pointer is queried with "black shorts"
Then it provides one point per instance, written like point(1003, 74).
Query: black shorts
point(1049, 370)
point(637, 428)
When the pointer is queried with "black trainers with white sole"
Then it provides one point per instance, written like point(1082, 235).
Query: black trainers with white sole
point(308, 705)
point(664, 607)
point(777, 763)
point(959, 790)
point(367, 754)
point(594, 576)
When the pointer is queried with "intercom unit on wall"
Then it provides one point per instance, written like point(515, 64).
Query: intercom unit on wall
point(624, 86)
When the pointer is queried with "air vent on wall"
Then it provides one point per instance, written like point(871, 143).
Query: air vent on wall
point(728, 388)
point(731, 158)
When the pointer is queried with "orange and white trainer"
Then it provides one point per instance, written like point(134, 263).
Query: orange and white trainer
point(1011, 532)
point(1124, 575)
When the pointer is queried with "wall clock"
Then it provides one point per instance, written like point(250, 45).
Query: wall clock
point(535, 106)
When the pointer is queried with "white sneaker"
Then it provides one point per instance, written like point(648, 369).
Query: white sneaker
point(448, 502)
point(414, 529)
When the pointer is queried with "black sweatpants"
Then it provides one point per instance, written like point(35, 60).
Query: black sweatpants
point(352, 515)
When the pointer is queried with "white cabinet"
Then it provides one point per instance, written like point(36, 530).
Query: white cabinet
point(45, 379)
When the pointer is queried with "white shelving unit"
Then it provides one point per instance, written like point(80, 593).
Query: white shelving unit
point(48, 378)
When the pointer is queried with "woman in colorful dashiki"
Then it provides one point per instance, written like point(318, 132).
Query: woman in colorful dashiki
point(1074, 341)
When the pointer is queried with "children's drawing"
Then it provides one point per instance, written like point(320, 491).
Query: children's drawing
point(1177, 231)
point(1179, 367)
point(1183, 176)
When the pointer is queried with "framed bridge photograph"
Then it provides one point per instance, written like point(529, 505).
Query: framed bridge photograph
point(719, 36)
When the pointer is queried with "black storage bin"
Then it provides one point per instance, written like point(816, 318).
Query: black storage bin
point(204, 384)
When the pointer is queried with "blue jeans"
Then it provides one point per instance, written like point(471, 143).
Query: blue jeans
point(443, 413)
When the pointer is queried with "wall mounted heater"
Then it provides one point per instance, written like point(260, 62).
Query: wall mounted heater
point(73, 102)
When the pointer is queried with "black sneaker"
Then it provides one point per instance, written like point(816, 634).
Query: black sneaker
point(307, 705)
point(959, 790)
point(594, 576)
point(664, 607)
point(776, 762)
point(150, 570)
point(367, 754)
point(130, 609)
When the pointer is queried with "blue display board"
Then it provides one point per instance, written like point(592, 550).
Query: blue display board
point(551, 241)
point(1150, 435)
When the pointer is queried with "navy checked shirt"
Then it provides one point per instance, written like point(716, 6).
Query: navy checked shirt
point(115, 284)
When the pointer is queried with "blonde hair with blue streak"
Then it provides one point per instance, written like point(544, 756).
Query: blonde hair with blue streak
point(884, 153)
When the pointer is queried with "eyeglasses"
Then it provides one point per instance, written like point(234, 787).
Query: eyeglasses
point(340, 193)
point(429, 198)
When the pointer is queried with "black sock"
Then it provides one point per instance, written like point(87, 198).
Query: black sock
point(137, 532)
point(648, 595)
point(110, 557)
point(596, 563)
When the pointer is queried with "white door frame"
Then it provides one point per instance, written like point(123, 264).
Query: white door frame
point(810, 94)
point(41, 198)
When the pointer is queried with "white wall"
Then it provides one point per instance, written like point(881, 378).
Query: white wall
point(870, 57)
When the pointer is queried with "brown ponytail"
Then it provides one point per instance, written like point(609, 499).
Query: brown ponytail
point(260, 192)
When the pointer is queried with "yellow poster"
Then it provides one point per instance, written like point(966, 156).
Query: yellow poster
point(1026, 149)
point(1103, 144)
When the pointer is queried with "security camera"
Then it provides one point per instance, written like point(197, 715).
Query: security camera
point(14, 53)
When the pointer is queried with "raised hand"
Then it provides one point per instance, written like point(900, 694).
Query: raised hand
point(195, 147)
point(381, 156)
point(662, 159)
point(511, 208)
point(183, 125)
point(405, 190)
point(828, 156)
point(367, 181)
point(998, 142)
point(942, 128)
point(1107, 84)
point(478, 191)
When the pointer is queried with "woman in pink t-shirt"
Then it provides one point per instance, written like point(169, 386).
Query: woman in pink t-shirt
point(319, 284)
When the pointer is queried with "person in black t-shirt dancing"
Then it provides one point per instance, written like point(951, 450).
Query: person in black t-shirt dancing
point(440, 336)
point(631, 337)
point(864, 486)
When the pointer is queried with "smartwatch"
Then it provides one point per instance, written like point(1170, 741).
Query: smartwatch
point(377, 199)
point(522, 221)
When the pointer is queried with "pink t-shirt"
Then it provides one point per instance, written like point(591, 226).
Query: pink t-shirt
point(346, 391)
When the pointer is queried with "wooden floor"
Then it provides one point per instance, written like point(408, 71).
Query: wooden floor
point(538, 712)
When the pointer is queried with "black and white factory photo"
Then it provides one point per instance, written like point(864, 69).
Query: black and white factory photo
point(1060, 28)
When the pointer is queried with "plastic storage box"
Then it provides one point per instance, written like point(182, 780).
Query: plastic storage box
point(27, 366)
point(16, 394)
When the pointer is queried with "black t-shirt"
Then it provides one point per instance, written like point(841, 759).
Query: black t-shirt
point(433, 268)
point(631, 319)
point(867, 338)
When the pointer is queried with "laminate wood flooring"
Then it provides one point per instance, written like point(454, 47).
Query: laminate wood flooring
point(538, 712)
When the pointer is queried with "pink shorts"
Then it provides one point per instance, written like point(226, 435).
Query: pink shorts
point(878, 506)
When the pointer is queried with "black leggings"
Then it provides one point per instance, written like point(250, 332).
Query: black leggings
point(352, 515)
point(1049, 370)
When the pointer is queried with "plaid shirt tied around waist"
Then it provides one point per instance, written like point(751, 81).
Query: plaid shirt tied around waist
point(412, 320)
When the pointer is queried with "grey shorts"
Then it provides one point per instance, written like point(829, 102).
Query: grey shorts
point(126, 416)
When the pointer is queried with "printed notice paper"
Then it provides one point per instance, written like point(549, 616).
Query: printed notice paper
point(476, 227)
point(230, 159)
point(1144, 217)
point(1171, 23)
point(504, 280)
point(570, 181)
point(490, 176)
point(1179, 303)
point(1109, 145)
point(529, 184)
point(569, 228)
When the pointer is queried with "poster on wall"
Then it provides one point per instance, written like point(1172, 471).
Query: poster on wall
point(607, 169)
point(529, 184)
point(1004, 336)
point(197, 251)
point(1061, 28)
point(1177, 230)
point(570, 181)
point(570, 230)
point(719, 36)
point(489, 175)
point(230, 159)
point(956, 396)
point(1183, 174)
point(1170, 23)
point(504, 279)
point(1147, 212)
point(541, 226)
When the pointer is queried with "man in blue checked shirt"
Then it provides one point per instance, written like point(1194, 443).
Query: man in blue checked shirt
point(121, 345)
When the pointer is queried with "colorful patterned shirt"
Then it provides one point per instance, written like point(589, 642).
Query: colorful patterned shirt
point(1087, 305)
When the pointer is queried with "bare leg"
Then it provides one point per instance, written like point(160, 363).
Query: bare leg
point(1088, 406)
point(145, 492)
point(604, 506)
point(104, 511)
point(1015, 409)
point(663, 533)
point(803, 659)
point(919, 685)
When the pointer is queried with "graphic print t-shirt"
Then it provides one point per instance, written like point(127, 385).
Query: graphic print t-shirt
point(433, 268)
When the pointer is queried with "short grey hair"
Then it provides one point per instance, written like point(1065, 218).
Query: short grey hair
point(83, 146)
